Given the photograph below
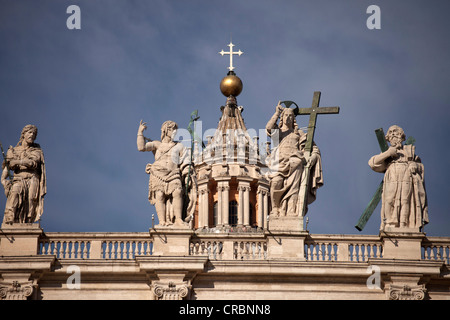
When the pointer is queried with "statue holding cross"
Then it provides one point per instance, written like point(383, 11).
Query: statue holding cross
point(403, 196)
point(295, 166)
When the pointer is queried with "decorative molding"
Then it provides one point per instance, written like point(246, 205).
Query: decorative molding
point(171, 291)
point(16, 290)
point(244, 188)
point(406, 292)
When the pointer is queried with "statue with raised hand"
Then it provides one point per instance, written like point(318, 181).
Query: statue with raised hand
point(166, 182)
point(287, 163)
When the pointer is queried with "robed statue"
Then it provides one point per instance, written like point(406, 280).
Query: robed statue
point(287, 162)
point(169, 174)
point(404, 200)
point(26, 187)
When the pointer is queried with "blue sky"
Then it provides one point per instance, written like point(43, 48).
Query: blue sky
point(158, 60)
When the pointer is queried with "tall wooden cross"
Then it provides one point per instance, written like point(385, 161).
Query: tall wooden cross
point(313, 112)
point(373, 203)
point(194, 137)
point(231, 52)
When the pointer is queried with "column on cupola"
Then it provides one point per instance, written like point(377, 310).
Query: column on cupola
point(263, 206)
point(219, 205)
point(244, 203)
point(196, 151)
point(241, 146)
point(203, 206)
point(225, 203)
point(247, 206)
point(225, 148)
point(254, 151)
point(240, 206)
point(266, 207)
point(223, 190)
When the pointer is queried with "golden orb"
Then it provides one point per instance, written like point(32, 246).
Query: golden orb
point(231, 85)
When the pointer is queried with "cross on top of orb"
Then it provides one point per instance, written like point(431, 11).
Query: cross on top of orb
point(231, 52)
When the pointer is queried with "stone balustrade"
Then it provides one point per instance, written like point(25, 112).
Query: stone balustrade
point(355, 248)
point(436, 248)
point(80, 245)
point(227, 246)
point(250, 250)
point(211, 248)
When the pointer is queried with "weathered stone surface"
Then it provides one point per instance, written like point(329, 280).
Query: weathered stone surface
point(404, 200)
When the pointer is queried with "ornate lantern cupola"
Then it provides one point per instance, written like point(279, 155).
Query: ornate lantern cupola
point(232, 193)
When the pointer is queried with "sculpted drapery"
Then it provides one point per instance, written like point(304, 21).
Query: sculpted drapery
point(286, 164)
point(404, 200)
point(25, 192)
point(168, 174)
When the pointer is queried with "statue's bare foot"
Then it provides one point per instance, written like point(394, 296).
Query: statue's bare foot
point(181, 223)
point(275, 212)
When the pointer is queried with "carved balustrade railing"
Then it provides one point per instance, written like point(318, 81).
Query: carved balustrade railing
point(213, 248)
point(244, 246)
point(80, 245)
point(436, 248)
point(354, 248)
point(227, 246)
point(250, 250)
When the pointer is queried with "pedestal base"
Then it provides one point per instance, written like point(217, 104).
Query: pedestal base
point(286, 223)
point(402, 243)
point(286, 245)
point(20, 239)
point(170, 240)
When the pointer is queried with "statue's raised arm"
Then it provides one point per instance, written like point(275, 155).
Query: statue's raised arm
point(166, 187)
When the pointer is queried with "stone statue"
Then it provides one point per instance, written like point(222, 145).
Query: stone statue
point(286, 164)
point(26, 190)
point(168, 175)
point(404, 200)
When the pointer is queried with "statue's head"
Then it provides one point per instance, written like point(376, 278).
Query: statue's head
point(287, 118)
point(168, 129)
point(29, 134)
point(395, 136)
